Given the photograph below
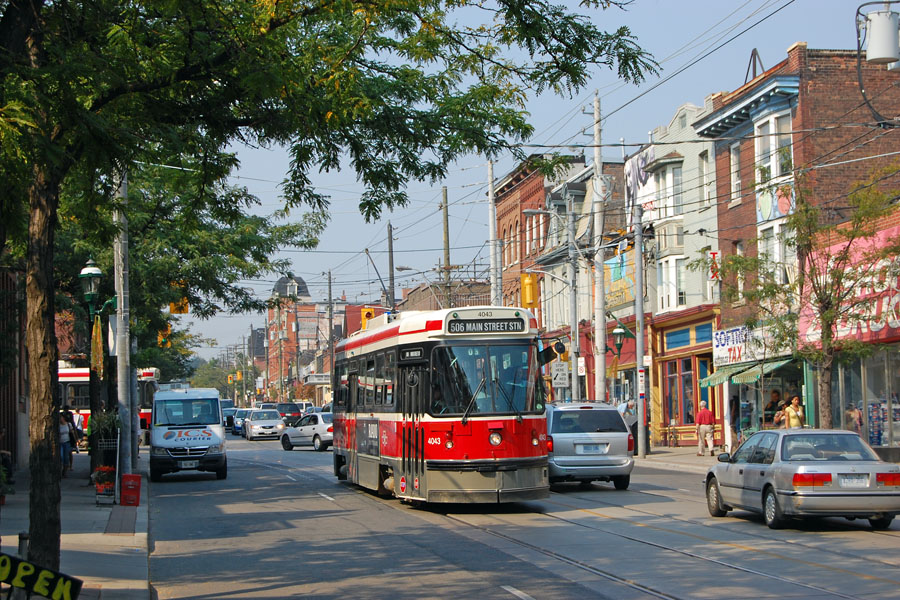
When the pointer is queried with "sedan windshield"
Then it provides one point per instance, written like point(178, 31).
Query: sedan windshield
point(265, 415)
point(826, 447)
point(478, 380)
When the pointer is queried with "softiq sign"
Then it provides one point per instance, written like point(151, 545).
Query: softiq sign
point(37, 580)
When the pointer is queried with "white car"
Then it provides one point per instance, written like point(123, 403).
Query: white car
point(263, 424)
point(314, 430)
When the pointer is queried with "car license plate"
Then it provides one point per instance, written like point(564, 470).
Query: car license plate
point(590, 448)
point(190, 464)
point(854, 480)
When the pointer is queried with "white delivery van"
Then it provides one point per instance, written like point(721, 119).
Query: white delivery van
point(186, 433)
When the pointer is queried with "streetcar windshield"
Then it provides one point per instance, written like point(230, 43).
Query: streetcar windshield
point(477, 380)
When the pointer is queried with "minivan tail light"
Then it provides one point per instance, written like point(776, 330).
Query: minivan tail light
point(330, 429)
point(549, 443)
point(630, 443)
point(811, 479)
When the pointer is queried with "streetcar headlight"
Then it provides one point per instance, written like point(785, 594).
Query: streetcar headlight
point(534, 441)
point(495, 438)
point(448, 444)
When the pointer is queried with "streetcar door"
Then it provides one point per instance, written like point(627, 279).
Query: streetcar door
point(411, 398)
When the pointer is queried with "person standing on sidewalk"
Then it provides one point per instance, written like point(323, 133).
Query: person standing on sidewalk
point(705, 423)
point(793, 415)
point(65, 445)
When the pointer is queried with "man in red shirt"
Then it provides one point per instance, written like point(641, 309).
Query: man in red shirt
point(705, 426)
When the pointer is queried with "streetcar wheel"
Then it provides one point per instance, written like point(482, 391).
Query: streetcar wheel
point(318, 446)
point(339, 469)
point(713, 499)
point(286, 442)
point(621, 481)
point(881, 523)
point(223, 472)
point(771, 511)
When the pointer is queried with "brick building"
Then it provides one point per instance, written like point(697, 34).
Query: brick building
point(801, 124)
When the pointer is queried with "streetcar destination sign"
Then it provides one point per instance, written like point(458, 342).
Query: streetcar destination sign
point(486, 326)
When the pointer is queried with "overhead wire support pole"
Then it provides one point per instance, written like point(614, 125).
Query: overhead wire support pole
point(391, 296)
point(639, 333)
point(573, 300)
point(388, 296)
point(599, 209)
point(496, 292)
point(123, 315)
point(445, 209)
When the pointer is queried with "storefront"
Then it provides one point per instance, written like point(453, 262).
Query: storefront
point(755, 380)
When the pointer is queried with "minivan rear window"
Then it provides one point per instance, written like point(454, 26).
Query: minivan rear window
point(586, 421)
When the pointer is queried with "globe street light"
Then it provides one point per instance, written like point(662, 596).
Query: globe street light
point(90, 284)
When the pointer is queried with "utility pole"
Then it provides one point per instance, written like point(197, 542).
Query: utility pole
point(599, 208)
point(496, 292)
point(446, 247)
point(243, 368)
point(123, 358)
point(573, 300)
point(297, 339)
point(639, 319)
point(280, 354)
point(331, 329)
point(392, 298)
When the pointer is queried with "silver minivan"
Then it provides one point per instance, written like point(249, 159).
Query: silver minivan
point(589, 442)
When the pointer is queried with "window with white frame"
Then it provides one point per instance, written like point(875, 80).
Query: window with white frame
point(773, 147)
point(671, 286)
point(680, 291)
point(776, 252)
point(659, 181)
point(739, 251)
point(677, 198)
point(735, 156)
point(703, 179)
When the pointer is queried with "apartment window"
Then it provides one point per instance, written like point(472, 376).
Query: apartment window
point(682, 120)
point(677, 200)
point(735, 155)
point(659, 181)
point(679, 236)
point(705, 194)
point(739, 251)
point(773, 147)
point(766, 249)
point(681, 293)
point(777, 255)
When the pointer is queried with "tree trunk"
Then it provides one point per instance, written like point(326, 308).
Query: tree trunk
point(826, 368)
point(40, 341)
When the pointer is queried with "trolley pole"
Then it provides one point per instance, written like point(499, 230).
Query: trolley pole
point(391, 289)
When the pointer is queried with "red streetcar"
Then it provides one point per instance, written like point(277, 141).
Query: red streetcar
point(443, 406)
point(74, 390)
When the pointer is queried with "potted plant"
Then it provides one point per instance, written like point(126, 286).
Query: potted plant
point(5, 488)
point(104, 479)
point(104, 427)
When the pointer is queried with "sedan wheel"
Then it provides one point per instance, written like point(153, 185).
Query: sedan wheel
point(318, 446)
point(771, 510)
point(713, 499)
point(286, 442)
point(881, 523)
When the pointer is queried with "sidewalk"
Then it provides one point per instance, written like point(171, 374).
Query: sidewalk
point(682, 459)
point(105, 546)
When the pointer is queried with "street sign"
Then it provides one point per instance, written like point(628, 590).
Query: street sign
point(559, 372)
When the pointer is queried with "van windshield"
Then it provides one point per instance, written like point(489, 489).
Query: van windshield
point(186, 411)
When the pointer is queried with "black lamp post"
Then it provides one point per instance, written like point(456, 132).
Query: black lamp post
point(618, 338)
point(90, 277)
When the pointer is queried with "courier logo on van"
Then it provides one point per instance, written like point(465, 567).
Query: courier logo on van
point(183, 434)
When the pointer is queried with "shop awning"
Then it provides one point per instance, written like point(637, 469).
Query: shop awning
point(754, 373)
point(721, 375)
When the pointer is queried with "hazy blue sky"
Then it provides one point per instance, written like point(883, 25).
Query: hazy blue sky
point(676, 32)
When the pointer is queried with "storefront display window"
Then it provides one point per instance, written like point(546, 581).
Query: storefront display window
point(876, 406)
point(687, 391)
point(679, 397)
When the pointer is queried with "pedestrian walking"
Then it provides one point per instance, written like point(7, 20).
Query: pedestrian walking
point(793, 415)
point(705, 422)
point(65, 444)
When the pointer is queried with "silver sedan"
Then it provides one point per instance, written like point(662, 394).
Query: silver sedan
point(263, 424)
point(788, 473)
point(314, 430)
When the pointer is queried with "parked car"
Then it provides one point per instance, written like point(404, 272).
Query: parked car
point(262, 424)
point(314, 430)
point(228, 418)
point(589, 442)
point(787, 473)
point(288, 410)
point(305, 405)
point(266, 406)
point(239, 415)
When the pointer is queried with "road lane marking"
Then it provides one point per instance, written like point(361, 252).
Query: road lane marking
point(291, 478)
point(329, 498)
point(516, 593)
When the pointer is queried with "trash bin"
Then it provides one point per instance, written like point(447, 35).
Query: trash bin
point(131, 490)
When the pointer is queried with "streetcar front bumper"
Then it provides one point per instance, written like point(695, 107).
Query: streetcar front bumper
point(487, 481)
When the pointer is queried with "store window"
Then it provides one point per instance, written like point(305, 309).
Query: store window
point(882, 405)
point(678, 396)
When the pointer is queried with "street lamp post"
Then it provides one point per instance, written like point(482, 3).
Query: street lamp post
point(90, 277)
point(573, 292)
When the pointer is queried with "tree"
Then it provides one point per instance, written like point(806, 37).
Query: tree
point(834, 272)
point(397, 90)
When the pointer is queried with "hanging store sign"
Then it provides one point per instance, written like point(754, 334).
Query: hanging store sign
point(35, 579)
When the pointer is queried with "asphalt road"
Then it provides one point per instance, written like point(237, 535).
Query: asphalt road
point(282, 526)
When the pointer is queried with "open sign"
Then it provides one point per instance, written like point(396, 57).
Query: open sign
point(35, 579)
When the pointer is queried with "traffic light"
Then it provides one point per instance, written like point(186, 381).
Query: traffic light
point(179, 307)
point(230, 379)
point(164, 337)
point(239, 376)
point(529, 290)
point(365, 315)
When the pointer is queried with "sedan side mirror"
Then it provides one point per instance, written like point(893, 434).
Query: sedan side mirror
point(724, 457)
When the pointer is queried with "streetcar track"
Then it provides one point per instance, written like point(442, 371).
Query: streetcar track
point(724, 527)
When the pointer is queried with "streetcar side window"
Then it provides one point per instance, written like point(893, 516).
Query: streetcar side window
point(343, 382)
point(389, 376)
point(379, 378)
point(370, 382)
point(354, 389)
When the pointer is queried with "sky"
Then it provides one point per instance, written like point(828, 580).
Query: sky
point(702, 46)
